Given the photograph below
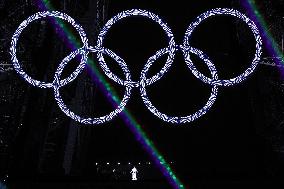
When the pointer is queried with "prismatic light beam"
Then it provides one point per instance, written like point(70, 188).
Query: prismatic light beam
point(269, 41)
point(99, 49)
point(128, 83)
point(113, 98)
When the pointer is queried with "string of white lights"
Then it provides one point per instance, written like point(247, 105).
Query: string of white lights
point(144, 81)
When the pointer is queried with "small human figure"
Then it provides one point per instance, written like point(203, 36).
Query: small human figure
point(115, 176)
point(134, 173)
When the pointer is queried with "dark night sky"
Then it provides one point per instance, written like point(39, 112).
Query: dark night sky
point(229, 142)
point(224, 141)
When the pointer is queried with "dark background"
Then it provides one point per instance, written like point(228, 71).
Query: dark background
point(239, 141)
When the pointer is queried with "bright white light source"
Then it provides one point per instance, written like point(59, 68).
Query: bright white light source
point(134, 173)
point(128, 83)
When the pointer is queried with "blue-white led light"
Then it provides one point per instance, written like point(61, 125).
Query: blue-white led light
point(23, 25)
point(230, 12)
point(102, 119)
point(175, 119)
point(129, 13)
point(171, 49)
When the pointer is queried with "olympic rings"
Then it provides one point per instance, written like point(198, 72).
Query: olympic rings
point(144, 81)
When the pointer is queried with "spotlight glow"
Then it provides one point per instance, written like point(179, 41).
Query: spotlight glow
point(269, 41)
point(129, 119)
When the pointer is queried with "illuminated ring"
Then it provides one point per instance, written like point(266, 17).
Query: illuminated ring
point(252, 26)
point(68, 112)
point(16, 36)
point(175, 119)
point(128, 13)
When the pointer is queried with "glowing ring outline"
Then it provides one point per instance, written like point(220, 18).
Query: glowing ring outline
point(176, 119)
point(72, 115)
point(257, 55)
point(125, 14)
point(16, 36)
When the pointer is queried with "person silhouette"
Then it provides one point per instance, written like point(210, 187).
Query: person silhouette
point(134, 173)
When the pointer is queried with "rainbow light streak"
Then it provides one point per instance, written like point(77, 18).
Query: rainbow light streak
point(2, 185)
point(269, 41)
point(130, 121)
